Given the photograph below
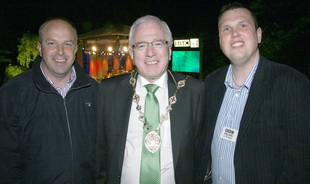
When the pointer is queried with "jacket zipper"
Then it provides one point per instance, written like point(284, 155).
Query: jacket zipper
point(69, 131)
point(69, 127)
point(71, 143)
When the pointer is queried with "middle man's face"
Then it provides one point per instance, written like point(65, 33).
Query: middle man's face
point(151, 62)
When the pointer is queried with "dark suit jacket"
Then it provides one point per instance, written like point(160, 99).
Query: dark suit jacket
point(273, 144)
point(114, 104)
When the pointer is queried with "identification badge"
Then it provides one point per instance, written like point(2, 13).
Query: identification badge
point(229, 134)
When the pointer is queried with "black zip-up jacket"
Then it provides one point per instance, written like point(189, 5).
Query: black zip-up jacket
point(43, 137)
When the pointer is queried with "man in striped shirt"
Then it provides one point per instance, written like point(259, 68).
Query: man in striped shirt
point(258, 112)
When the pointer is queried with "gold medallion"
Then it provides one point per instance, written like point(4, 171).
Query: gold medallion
point(152, 141)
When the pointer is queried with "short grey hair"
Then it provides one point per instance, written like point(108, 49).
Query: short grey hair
point(149, 18)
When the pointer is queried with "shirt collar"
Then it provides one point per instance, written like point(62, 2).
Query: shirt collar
point(161, 82)
point(247, 84)
point(71, 79)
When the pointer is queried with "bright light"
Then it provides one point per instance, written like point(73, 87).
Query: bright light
point(94, 48)
point(125, 49)
point(110, 49)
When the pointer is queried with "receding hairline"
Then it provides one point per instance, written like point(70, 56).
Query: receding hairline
point(46, 23)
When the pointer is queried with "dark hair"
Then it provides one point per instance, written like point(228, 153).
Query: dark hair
point(236, 5)
point(56, 18)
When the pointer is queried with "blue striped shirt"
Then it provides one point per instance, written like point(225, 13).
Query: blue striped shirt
point(229, 117)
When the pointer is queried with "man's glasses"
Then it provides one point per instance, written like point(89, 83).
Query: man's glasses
point(157, 44)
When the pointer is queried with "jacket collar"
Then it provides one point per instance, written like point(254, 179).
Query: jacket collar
point(44, 85)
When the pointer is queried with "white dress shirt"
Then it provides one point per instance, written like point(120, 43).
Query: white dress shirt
point(133, 147)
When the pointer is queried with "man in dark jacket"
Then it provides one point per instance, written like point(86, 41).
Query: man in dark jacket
point(133, 146)
point(47, 120)
point(257, 121)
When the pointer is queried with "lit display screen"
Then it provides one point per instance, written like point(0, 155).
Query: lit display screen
point(186, 61)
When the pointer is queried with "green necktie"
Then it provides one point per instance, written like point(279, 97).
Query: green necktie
point(150, 162)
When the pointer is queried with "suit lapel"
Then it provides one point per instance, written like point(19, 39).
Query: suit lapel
point(123, 101)
point(176, 120)
point(214, 104)
point(257, 91)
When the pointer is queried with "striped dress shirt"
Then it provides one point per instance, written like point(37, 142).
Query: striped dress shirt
point(228, 122)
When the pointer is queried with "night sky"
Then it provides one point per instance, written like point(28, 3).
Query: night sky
point(186, 18)
point(19, 16)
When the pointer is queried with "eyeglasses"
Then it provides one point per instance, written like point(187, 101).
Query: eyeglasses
point(157, 44)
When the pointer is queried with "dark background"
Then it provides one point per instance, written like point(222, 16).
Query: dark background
point(285, 24)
